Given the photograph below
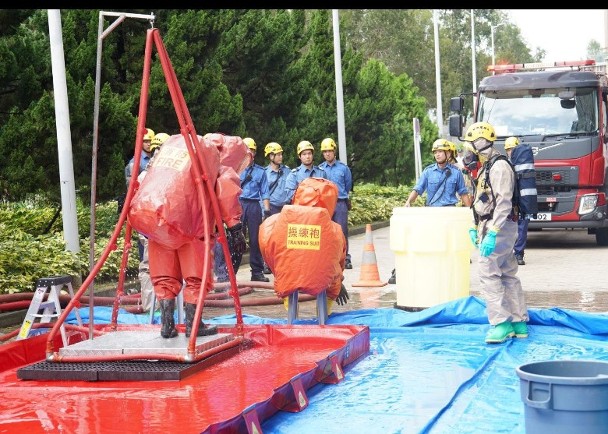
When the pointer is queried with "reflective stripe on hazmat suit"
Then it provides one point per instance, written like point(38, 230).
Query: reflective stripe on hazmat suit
point(302, 246)
point(500, 286)
point(166, 208)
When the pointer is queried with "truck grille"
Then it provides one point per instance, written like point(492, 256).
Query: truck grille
point(544, 177)
point(552, 190)
point(548, 186)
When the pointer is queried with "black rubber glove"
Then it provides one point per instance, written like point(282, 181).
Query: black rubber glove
point(120, 201)
point(236, 240)
point(266, 214)
point(236, 244)
point(343, 297)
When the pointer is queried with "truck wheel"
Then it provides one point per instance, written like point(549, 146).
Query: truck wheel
point(601, 237)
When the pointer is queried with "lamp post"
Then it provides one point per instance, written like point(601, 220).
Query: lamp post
point(473, 66)
point(437, 73)
point(492, 28)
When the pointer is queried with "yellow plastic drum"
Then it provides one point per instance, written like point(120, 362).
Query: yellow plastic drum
point(432, 255)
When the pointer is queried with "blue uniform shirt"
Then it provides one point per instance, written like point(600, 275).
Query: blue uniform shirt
point(144, 159)
point(438, 191)
point(254, 183)
point(339, 173)
point(276, 184)
point(297, 175)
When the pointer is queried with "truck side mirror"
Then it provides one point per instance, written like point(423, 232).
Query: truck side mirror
point(567, 103)
point(457, 104)
point(455, 125)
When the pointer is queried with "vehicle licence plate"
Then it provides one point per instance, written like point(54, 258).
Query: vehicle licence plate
point(542, 217)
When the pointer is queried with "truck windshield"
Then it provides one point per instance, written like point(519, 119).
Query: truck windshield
point(539, 111)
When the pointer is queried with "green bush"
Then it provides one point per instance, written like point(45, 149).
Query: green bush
point(372, 203)
point(32, 246)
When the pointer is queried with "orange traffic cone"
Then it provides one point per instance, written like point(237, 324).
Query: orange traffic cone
point(369, 265)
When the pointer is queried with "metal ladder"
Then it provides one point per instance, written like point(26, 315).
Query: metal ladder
point(51, 308)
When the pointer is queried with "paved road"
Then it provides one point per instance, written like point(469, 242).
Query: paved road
point(564, 268)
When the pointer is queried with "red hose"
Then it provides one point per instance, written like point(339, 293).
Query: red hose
point(261, 301)
point(212, 299)
point(14, 305)
point(18, 296)
point(26, 298)
point(134, 309)
point(73, 327)
point(22, 300)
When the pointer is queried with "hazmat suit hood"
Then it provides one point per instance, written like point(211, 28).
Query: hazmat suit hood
point(317, 192)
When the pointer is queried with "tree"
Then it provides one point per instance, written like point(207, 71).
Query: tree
point(381, 112)
point(262, 66)
point(595, 51)
point(264, 73)
point(400, 38)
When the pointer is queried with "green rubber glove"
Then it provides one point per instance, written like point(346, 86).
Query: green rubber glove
point(488, 244)
point(473, 235)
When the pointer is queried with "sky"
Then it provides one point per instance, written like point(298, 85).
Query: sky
point(563, 33)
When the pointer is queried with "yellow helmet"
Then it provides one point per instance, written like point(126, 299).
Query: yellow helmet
point(328, 144)
point(480, 129)
point(250, 143)
point(443, 145)
point(303, 146)
point(272, 148)
point(149, 134)
point(158, 140)
point(511, 142)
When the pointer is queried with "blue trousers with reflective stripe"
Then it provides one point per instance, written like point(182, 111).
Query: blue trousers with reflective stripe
point(252, 219)
point(522, 236)
point(341, 217)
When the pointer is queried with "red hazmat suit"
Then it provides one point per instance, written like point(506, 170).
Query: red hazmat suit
point(302, 246)
point(166, 208)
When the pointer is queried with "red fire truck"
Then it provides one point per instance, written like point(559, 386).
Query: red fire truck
point(560, 110)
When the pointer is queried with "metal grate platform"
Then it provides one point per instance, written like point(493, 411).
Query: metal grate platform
point(136, 341)
point(129, 342)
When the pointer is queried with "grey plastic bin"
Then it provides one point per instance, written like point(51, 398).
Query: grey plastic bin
point(565, 396)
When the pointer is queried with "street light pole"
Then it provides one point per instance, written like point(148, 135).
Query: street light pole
point(473, 65)
point(437, 73)
point(492, 28)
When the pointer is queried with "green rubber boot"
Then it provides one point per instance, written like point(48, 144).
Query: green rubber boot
point(500, 333)
point(520, 328)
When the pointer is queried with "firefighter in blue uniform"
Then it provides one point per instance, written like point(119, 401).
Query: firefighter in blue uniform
point(307, 169)
point(340, 174)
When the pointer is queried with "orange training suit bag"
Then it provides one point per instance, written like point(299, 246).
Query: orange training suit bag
point(302, 246)
point(166, 207)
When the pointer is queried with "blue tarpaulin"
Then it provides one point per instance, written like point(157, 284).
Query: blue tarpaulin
point(431, 371)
